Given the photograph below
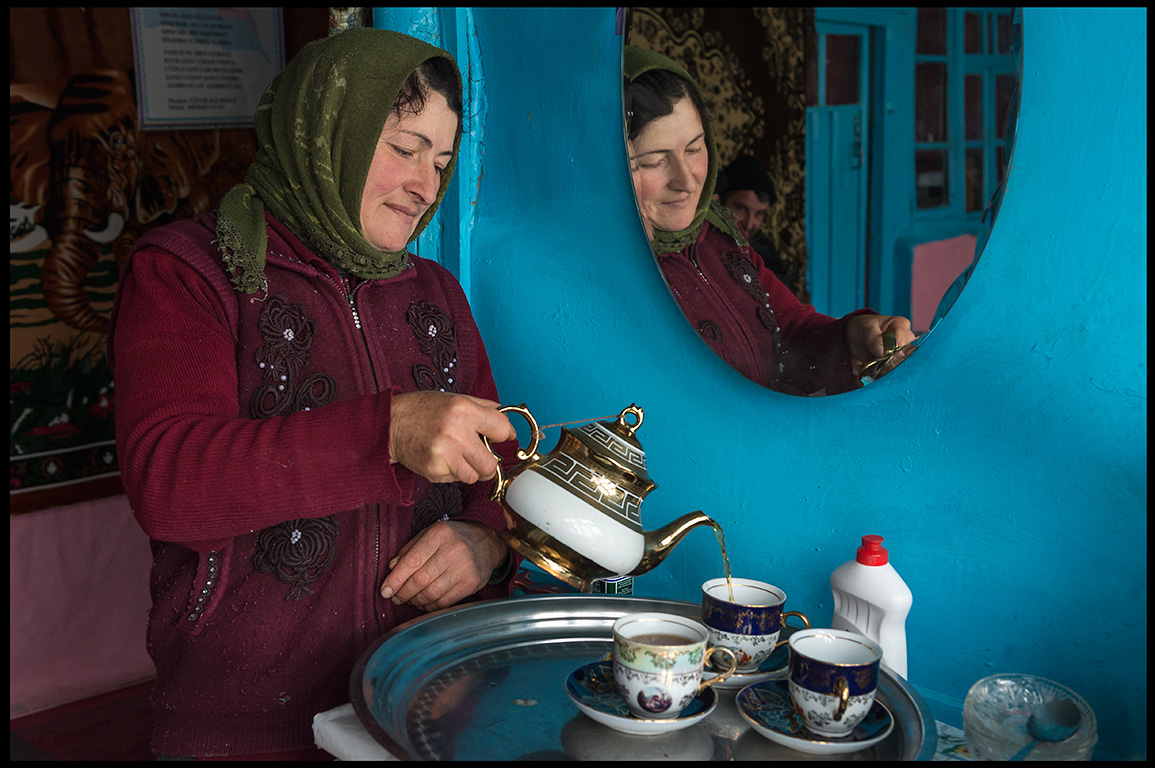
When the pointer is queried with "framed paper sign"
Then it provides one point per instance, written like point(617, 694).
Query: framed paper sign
point(204, 67)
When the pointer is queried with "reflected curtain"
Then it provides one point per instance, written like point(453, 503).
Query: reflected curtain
point(751, 66)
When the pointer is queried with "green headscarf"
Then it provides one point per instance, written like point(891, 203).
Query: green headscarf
point(636, 62)
point(318, 124)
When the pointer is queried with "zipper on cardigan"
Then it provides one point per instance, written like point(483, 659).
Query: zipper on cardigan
point(353, 309)
point(692, 257)
point(694, 260)
point(347, 291)
point(350, 298)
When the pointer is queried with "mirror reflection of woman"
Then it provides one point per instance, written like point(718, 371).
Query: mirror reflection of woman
point(737, 305)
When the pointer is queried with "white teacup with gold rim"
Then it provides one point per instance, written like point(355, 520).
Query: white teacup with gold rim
point(658, 660)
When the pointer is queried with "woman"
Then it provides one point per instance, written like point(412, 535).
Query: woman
point(746, 315)
point(300, 402)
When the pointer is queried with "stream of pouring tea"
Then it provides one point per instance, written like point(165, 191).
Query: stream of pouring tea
point(721, 537)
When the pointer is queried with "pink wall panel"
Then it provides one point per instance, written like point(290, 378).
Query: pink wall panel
point(79, 603)
point(935, 267)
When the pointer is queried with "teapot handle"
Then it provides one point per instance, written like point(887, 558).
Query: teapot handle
point(499, 480)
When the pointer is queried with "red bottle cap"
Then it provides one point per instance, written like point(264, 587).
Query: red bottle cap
point(871, 552)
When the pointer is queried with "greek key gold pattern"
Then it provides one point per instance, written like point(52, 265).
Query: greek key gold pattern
point(614, 446)
point(584, 483)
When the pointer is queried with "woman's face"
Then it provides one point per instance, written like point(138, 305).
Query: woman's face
point(669, 163)
point(405, 174)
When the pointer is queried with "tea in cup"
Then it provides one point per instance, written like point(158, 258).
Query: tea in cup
point(833, 679)
point(748, 624)
point(658, 660)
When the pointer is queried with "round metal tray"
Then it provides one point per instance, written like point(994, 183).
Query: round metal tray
point(485, 681)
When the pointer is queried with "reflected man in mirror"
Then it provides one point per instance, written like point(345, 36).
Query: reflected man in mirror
point(746, 190)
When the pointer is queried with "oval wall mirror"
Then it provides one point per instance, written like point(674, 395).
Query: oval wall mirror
point(855, 156)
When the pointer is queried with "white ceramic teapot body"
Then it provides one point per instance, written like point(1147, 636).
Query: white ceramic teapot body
point(576, 512)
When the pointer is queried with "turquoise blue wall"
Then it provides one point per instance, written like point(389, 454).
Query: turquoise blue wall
point(1005, 463)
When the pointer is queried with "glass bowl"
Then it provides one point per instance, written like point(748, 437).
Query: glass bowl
point(996, 711)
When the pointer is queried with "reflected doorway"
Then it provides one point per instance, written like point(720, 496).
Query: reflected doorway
point(838, 169)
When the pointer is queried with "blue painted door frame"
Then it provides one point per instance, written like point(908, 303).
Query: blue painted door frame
point(448, 237)
point(881, 266)
point(838, 174)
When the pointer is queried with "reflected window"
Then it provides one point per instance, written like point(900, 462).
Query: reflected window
point(965, 81)
point(930, 168)
point(932, 31)
point(930, 118)
point(842, 69)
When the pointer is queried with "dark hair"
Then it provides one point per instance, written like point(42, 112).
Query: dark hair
point(763, 197)
point(653, 94)
point(746, 172)
point(436, 75)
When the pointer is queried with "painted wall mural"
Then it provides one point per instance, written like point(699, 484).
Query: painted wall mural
point(85, 183)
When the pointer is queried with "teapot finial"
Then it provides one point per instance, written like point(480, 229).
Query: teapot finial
point(636, 411)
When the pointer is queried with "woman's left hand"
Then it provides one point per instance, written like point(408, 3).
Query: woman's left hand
point(864, 335)
point(445, 563)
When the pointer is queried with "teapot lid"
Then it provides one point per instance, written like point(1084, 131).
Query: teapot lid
point(616, 440)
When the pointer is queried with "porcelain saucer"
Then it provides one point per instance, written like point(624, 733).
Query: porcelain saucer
point(767, 707)
point(592, 688)
point(773, 665)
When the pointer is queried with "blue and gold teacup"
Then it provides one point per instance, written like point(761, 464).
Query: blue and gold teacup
point(833, 679)
point(748, 624)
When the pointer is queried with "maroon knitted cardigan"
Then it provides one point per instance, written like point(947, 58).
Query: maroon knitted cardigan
point(253, 441)
point(754, 322)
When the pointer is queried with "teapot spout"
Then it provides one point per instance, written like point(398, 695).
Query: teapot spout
point(659, 543)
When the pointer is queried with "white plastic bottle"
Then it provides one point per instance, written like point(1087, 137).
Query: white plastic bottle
point(872, 599)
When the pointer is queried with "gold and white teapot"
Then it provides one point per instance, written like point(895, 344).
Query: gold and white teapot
point(576, 512)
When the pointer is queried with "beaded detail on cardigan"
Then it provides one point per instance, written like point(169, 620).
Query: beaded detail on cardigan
point(437, 339)
point(211, 578)
point(710, 331)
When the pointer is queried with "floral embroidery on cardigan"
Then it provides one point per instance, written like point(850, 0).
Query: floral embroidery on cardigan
point(710, 331)
point(437, 339)
point(288, 333)
point(744, 274)
point(442, 502)
point(297, 552)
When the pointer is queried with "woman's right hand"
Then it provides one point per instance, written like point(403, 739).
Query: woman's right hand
point(438, 435)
